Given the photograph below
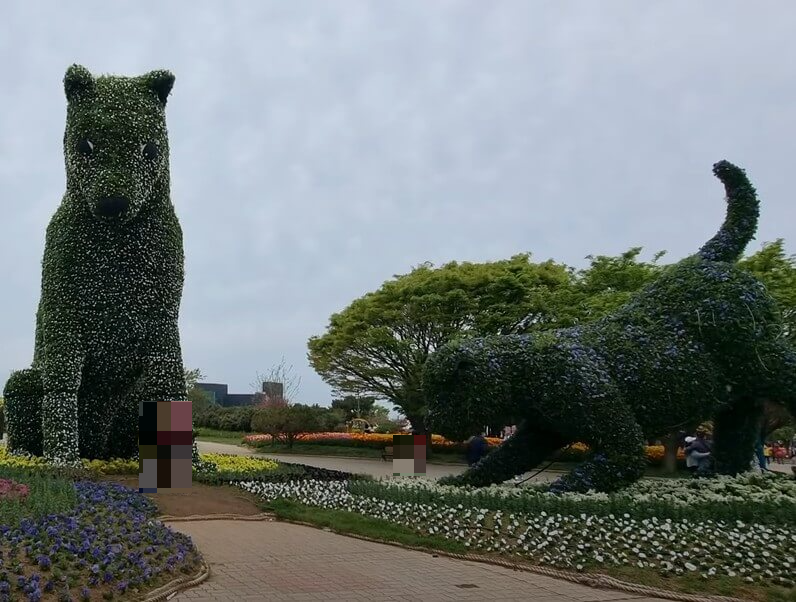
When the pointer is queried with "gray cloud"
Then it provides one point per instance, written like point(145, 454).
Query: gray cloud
point(318, 148)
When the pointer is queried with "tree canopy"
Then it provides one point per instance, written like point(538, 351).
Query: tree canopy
point(354, 406)
point(778, 272)
point(377, 346)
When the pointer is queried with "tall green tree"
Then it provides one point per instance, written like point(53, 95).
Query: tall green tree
point(200, 400)
point(608, 282)
point(778, 272)
point(354, 406)
point(377, 345)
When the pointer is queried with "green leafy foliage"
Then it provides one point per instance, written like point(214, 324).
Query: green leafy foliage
point(354, 406)
point(377, 345)
point(106, 334)
point(225, 419)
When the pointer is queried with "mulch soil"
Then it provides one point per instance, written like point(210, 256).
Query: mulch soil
point(204, 500)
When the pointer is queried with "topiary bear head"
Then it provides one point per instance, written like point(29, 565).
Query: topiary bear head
point(116, 146)
point(471, 383)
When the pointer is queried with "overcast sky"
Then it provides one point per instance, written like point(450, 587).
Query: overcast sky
point(320, 147)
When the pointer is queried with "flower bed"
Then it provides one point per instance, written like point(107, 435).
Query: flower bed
point(576, 452)
point(369, 440)
point(110, 543)
point(236, 469)
point(29, 494)
point(759, 498)
point(11, 491)
point(594, 537)
point(88, 467)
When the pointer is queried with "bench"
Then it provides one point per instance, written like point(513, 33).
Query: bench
point(387, 453)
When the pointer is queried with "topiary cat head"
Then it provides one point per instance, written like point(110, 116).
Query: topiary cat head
point(116, 146)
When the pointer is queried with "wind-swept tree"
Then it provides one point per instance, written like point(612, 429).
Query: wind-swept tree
point(377, 345)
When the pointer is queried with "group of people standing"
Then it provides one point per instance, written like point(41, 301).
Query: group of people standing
point(698, 453)
point(778, 452)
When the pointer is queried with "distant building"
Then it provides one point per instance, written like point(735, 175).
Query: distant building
point(219, 393)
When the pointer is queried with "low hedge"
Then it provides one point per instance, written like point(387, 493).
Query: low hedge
point(225, 419)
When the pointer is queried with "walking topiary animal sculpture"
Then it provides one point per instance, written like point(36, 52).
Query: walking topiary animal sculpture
point(106, 330)
point(703, 341)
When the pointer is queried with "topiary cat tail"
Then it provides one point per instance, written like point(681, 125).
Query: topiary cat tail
point(743, 210)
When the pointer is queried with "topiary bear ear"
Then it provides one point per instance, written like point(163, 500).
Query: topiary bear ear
point(160, 82)
point(77, 80)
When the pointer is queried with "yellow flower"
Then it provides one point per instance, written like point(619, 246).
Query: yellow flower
point(240, 464)
point(7, 459)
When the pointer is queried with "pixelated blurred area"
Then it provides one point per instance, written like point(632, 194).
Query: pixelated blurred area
point(164, 446)
point(409, 455)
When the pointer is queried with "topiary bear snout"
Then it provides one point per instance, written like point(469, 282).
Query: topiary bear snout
point(112, 206)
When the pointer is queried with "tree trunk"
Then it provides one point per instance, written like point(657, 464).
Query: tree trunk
point(671, 444)
point(419, 428)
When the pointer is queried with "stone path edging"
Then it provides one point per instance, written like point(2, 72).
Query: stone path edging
point(597, 580)
point(263, 516)
point(170, 589)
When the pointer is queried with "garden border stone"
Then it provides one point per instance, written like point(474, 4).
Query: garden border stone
point(167, 591)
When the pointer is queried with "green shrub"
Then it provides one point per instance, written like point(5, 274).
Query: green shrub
point(225, 419)
point(288, 423)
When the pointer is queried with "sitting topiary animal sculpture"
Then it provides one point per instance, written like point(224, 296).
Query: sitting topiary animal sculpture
point(701, 342)
point(106, 331)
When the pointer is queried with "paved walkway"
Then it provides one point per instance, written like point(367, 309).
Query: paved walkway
point(272, 561)
point(786, 468)
point(374, 467)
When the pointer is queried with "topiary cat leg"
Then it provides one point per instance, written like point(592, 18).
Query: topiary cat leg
point(735, 432)
point(23, 395)
point(611, 430)
point(521, 452)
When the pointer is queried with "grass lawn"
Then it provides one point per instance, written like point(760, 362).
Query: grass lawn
point(349, 522)
point(214, 436)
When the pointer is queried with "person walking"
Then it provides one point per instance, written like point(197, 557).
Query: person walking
point(690, 460)
point(476, 449)
point(760, 454)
